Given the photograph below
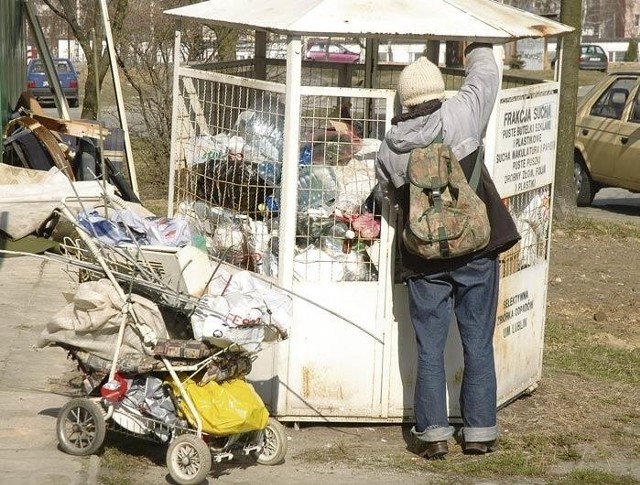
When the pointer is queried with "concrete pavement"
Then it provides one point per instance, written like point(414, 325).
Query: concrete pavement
point(614, 205)
point(31, 290)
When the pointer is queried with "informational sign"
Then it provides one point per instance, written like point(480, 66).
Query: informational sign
point(525, 148)
point(532, 53)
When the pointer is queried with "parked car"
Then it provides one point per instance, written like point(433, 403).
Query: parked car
point(607, 137)
point(39, 84)
point(592, 56)
point(330, 51)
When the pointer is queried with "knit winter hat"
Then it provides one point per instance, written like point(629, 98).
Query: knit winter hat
point(420, 81)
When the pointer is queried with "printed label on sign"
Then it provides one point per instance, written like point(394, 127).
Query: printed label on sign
point(521, 302)
point(525, 148)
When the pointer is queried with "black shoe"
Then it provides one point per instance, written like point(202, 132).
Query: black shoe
point(479, 447)
point(435, 450)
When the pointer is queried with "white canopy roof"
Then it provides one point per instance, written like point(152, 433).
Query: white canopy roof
point(483, 20)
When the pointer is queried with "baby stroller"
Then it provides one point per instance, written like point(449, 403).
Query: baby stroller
point(158, 378)
point(82, 422)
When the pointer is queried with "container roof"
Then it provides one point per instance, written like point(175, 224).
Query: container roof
point(479, 20)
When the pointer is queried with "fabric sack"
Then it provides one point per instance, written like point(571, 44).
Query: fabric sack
point(446, 217)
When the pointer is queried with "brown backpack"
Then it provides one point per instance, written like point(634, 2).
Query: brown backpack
point(446, 219)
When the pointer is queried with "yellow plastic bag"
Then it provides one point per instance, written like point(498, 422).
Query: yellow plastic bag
point(230, 407)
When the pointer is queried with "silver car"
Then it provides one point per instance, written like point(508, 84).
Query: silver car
point(592, 57)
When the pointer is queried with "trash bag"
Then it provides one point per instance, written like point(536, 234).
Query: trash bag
point(233, 184)
point(231, 407)
point(233, 320)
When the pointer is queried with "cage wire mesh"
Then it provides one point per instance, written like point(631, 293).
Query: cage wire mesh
point(531, 213)
point(229, 167)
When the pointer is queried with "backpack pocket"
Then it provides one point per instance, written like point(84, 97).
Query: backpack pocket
point(430, 167)
point(446, 225)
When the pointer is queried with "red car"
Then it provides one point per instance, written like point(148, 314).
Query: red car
point(331, 52)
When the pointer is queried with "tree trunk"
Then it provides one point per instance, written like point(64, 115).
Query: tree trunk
point(227, 39)
point(91, 20)
point(564, 190)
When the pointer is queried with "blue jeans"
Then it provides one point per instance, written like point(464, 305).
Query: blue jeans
point(472, 293)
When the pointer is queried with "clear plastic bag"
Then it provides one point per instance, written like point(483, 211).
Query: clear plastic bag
point(317, 188)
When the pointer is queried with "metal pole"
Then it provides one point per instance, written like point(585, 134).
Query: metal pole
point(43, 47)
point(290, 164)
point(173, 157)
point(119, 100)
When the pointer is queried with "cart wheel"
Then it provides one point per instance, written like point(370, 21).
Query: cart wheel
point(274, 444)
point(188, 459)
point(80, 427)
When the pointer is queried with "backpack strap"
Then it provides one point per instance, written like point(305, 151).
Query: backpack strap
point(477, 167)
point(475, 175)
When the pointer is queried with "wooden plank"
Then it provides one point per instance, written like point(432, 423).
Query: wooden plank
point(74, 128)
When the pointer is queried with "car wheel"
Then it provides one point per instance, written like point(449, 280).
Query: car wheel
point(585, 187)
point(74, 103)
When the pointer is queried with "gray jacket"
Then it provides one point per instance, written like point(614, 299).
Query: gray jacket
point(463, 119)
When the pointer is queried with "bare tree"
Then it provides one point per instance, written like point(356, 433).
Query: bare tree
point(145, 58)
point(84, 20)
point(227, 40)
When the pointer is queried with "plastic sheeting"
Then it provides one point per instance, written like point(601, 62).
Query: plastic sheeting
point(28, 197)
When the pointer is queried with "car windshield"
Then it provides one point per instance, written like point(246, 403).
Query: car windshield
point(62, 67)
point(37, 66)
point(317, 48)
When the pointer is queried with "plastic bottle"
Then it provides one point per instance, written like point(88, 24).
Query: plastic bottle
point(270, 207)
point(317, 188)
point(270, 172)
point(337, 236)
point(305, 155)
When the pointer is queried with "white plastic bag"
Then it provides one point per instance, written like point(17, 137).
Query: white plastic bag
point(276, 306)
point(231, 320)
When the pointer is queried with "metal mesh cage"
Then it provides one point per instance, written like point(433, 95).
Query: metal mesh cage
point(530, 211)
point(228, 163)
point(228, 160)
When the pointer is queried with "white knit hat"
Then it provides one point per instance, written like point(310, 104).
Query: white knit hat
point(420, 81)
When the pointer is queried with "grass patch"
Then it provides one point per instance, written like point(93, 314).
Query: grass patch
point(498, 464)
point(572, 352)
point(116, 466)
point(592, 476)
point(587, 227)
point(627, 439)
point(528, 455)
point(123, 460)
point(336, 453)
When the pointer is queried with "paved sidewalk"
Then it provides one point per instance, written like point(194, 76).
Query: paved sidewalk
point(31, 290)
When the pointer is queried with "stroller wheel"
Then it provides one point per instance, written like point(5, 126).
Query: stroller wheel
point(274, 444)
point(188, 459)
point(80, 427)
